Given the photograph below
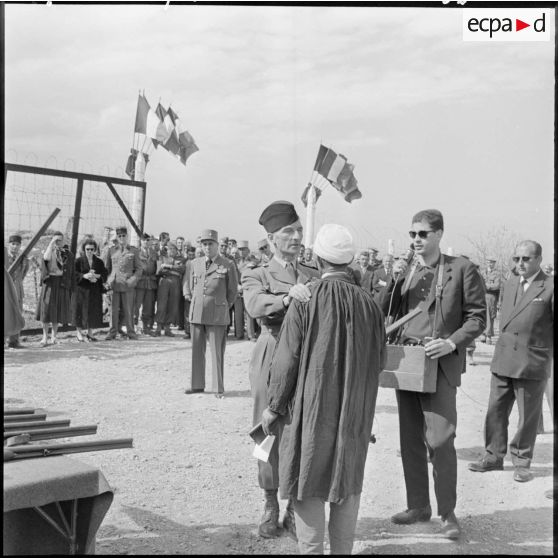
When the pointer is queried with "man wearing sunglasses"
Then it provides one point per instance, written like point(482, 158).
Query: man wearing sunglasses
point(452, 315)
point(521, 363)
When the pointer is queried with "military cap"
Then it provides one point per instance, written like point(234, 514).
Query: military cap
point(224, 240)
point(232, 240)
point(277, 215)
point(15, 238)
point(243, 244)
point(121, 230)
point(262, 243)
point(209, 234)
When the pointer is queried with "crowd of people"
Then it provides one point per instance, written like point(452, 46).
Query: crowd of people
point(320, 319)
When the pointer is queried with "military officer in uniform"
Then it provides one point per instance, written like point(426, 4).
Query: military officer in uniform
point(493, 282)
point(146, 289)
point(268, 291)
point(265, 251)
point(124, 271)
point(211, 288)
point(246, 261)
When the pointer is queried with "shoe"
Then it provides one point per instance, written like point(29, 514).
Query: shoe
point(412, 516)
point(132, 336)
point(472, 363)
point(522, 474)
point(220, 395)
point(110, 337)
point(91, 338)
point(268, 527)
point(15, 345)
point(190, 391)
point(156, 333)
point(80, 338)
point(484, 465)
point(450, 527)
point(289, 525)
point(187, 336)
point(549, 494)
point(169, 333)
point(43, 343)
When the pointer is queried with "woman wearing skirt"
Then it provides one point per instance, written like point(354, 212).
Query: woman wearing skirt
point(57, 284)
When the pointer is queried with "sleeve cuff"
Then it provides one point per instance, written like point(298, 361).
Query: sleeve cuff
point(452, 344)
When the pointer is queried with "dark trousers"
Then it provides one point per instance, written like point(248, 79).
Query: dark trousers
point(145, 299)
point(181, 322)
point(491, 310)
point(239, 318)
point(125, 302)
point(427, 422)
point(186, 314)
point(217, 338)
point(529, 396)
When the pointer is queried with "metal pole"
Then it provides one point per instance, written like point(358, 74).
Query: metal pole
point(310, 215)
point(77, 216)
point(137, 198)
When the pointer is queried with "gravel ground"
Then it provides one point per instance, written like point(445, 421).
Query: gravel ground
point(189, 486)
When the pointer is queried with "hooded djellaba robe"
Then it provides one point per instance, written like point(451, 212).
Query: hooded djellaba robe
point(324, 377)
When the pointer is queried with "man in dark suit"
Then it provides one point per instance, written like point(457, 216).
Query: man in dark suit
point(450, 293)
point(363, 271)
point(521, 363)
point(382, 274)
point(268, 290)
point(211, 287)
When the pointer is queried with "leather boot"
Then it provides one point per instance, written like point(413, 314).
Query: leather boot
point(268, 527)
point(289, 520)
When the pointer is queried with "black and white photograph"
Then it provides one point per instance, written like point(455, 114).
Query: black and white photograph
point(279, 277)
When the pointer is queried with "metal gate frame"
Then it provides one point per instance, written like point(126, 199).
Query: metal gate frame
point(81, 177)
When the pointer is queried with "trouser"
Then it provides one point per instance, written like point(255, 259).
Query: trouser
point(252, 326)
point(168, 294)
point(122, 301)
point(217, 338)
point(186, 314)
point(427, 422)
point(268, 472)
point(145, 299)
point(491, 310)
point(181, 322)
point(310, 525)
point(239, 318)
point(529, 396)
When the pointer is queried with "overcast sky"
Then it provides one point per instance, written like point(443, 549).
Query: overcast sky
point(427, 119)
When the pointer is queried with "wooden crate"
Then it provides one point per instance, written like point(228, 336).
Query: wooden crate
point(408, 368)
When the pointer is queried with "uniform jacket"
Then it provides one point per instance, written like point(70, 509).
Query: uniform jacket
point(148, 279)
point(124, 268)
point(525, 345)
point(265, 287)
point(211, 292)
point(462, 314)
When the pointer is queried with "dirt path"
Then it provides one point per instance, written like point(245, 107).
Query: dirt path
point(189, 485)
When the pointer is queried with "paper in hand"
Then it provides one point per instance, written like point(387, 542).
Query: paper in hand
point(262, 451)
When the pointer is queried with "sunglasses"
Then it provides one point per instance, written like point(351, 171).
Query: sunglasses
point(524, 259)
point(122, 235)
point(90, 249)
point(420, 234)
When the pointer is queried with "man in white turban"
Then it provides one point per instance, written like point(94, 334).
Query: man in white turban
point(324, 379)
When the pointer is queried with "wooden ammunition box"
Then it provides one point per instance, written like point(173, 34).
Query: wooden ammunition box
point(408, 368)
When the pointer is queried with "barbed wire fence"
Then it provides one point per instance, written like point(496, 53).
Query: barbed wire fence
point(30, 197)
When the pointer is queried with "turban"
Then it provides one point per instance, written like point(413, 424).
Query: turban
point(278, 215)
point(334, 243)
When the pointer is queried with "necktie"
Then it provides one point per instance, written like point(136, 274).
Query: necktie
point(520, 289)
point(207, 264)
point(292, 271)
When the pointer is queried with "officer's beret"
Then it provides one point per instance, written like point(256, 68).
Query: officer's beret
point(209, 234)
point(243, 244)
point(262, 243)
point(15, 238)
point(277, 215)
point(121, 230)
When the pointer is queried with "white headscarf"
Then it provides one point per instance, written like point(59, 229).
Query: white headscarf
point(334, 243)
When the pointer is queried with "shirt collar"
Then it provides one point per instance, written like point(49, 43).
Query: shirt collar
point(282, 262)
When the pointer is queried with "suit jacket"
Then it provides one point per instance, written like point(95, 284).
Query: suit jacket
point(124, 268)
point(364, 279)
point(82, 267)
point(525, 344)
point(379, 275)
point(265, 287)
point(212, 292)
point(462, 314)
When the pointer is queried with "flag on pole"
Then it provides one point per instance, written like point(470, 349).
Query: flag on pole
point(186, 142)
point(171, 142)
point(333, 168)
point(304, 196)
point(149, 123)
point(131, 164)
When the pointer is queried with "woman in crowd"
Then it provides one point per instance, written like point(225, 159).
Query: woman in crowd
point(91, 273)
point(57, 285)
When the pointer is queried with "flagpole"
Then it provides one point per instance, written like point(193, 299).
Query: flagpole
point(310, 215)
point(137, 198)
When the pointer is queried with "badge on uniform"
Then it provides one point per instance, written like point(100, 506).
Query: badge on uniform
point(222, 270)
